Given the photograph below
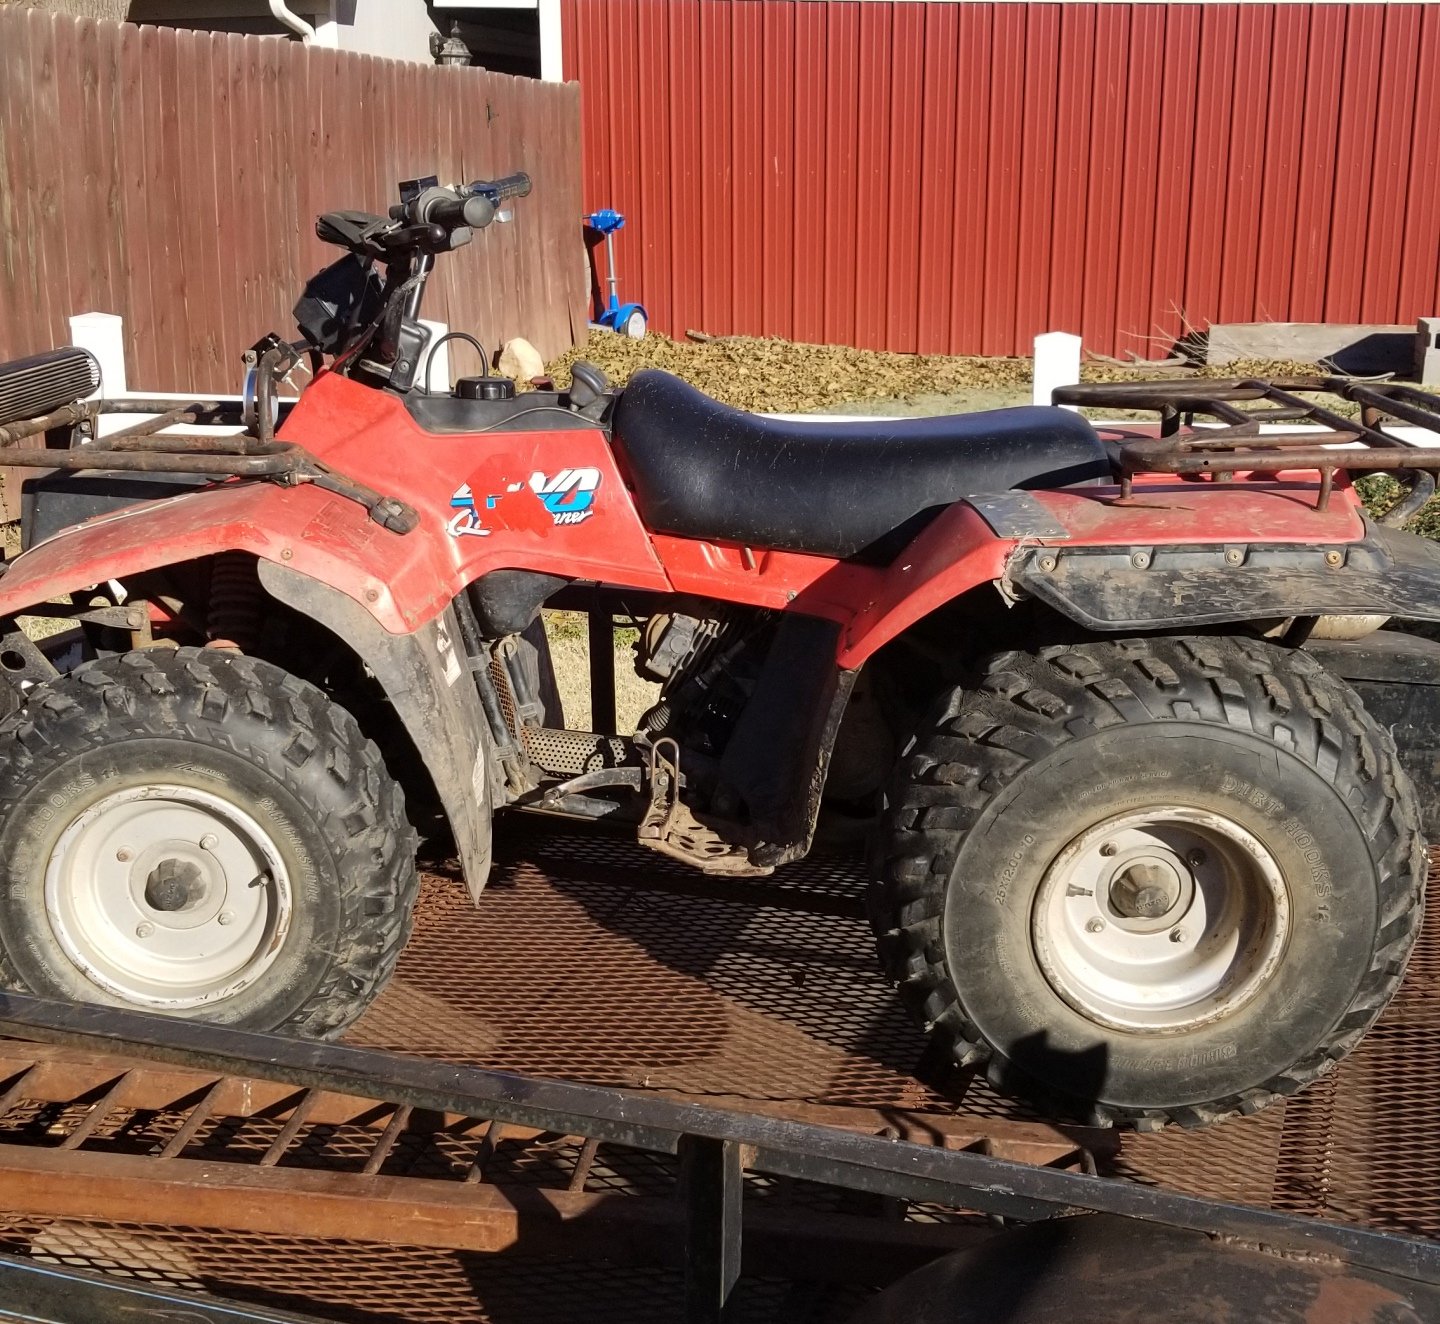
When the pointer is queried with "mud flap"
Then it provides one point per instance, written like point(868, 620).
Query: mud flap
point(426, 679)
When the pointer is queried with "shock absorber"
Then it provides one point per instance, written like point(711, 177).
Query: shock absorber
point(237, 603)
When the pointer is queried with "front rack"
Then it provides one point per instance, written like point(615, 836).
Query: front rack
point(1234, 443)
point(146, 446)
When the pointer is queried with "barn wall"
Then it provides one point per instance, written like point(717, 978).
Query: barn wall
point(961, 176)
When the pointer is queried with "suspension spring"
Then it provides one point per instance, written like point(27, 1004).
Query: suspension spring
point(237, 602)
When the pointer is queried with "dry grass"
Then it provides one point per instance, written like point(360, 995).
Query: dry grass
point(780, 376)
point(570, 655)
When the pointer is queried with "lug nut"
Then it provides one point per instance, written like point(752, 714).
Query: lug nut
point(144, 929)
point(124, 854)
point(1177, 935)
point(1195, 859)
point(1109, 848)
point(1095, 925)
point(209, 841)
point(225, 917)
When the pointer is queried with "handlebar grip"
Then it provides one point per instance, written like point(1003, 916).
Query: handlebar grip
point(477, 211)
point(512, 186)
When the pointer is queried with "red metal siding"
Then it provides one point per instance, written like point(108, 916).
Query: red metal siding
point(958, 177)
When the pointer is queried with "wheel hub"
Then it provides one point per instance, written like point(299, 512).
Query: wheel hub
point(168, 896)
point(1147, 889)
point(1160, 920)
point(175, 885)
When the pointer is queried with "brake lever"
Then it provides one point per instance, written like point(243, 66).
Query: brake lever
point(432, 238)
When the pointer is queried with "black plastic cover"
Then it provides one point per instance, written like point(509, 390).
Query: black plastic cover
point(506, 601)
point(344, 295)
point(532, 411)
point(1397, 677)
point(53, 502)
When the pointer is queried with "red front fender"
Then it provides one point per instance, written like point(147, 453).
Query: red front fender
point(402, 580)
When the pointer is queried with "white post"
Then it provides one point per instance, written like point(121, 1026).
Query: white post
point(103, 334)
point(552, 61)
point(1057, 363)
point(435, 367)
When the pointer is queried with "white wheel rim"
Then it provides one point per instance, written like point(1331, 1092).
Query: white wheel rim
point(168, 896)
point(635, 326)
point(1162, 920)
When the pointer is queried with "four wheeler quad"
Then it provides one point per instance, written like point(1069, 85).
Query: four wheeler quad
point(1145, 854)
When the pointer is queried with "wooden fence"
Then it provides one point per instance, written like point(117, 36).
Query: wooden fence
point(175, 177)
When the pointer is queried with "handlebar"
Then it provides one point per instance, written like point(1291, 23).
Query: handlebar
point(473, 205)
point(476, 211)
point(497, 190)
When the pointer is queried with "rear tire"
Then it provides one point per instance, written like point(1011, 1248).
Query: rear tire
point(1251, 789)
point(200, 833)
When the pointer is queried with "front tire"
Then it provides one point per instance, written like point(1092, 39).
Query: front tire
point(1154, 880)
point(199, 833)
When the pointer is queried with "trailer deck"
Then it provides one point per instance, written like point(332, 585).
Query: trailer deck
point(589, 962)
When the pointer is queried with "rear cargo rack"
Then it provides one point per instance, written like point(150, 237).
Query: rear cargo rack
point(1241, 407)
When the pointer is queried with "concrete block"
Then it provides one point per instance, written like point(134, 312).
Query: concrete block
point(1364, 351)
point(1427, 351)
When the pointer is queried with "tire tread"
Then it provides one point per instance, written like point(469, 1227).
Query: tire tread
point(1248, 684)
point(197, 693)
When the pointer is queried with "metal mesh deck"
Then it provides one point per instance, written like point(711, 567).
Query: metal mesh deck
point(591, 959)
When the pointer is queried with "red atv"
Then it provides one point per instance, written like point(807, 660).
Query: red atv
point(1146, 849)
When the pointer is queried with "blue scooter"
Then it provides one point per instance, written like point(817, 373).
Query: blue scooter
point(625, 319)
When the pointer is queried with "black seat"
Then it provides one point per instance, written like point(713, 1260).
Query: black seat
point(703, 470)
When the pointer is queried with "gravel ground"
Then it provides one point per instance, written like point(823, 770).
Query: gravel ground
point(782, 377)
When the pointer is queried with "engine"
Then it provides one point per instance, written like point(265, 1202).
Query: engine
point(706, 666)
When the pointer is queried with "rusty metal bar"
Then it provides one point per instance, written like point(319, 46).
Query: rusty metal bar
point(198, 443)
point(485, 1152)
point(62, 1294)
point(17, 1089)
point(146, 430)
point(204, 410)
point(1024, 1142)
point(107, 1104)
point(203, 1110)
point(67, 416)
point(583, 1164)
point(282, 461)
point(1276, 461)
point(290, 1130)
point(409, 1211)
point(813, 1153)
point(1241, 447)
point(387, 1140)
